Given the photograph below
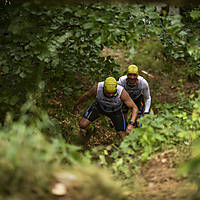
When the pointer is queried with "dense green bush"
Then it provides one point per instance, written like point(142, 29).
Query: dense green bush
point(61, 45)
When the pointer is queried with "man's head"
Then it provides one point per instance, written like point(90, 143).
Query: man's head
point(110, 86)
point(132, 75)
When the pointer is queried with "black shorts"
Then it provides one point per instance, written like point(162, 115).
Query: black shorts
point(139, 103)
point(94, 111)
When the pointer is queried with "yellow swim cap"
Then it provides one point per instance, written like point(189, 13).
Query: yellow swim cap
point(132, 69)
point(110, 84)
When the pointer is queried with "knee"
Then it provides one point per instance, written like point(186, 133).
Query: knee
point(83, 124)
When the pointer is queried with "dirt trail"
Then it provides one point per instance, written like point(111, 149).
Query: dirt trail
point(159, 179)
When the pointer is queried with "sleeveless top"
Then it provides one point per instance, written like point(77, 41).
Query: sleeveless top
point(141, 88)
point(107, 104)
point(134, 92)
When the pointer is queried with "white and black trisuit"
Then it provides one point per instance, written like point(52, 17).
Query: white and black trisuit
point(140, 93)
point(109, 106)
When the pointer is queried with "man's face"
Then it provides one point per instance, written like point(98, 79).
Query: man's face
point(109, 94)
point(132, 78)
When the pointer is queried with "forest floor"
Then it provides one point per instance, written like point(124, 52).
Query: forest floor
point(159, 179)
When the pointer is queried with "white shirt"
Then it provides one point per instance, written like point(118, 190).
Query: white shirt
point(142, 85)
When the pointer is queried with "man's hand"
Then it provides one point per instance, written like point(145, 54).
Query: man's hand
point(129, 128)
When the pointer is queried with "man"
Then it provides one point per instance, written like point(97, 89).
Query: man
point(109, 100)
point(138, 89)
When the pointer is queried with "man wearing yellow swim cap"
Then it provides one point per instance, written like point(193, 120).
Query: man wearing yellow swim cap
point(138, 89)
point(109, 100)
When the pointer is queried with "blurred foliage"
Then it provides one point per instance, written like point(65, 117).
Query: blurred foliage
point(32, 162)
point(29, 157)
point(92, 183)
point(191, 168)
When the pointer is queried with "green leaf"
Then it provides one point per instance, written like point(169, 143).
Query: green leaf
point(66, 9)
point(102, 160)
point(144, 156)
point(130, 151)
point(182, 134)
point(159, 137)
point(14, 100)
point(98, 40)
point(68, 90)
point(22, 75)
point(119, 162)
point(55, 61)
point(88, 25)
point(63, 38)
point(5, 69)
point(80, 12)
point(194, 51)
point(195, 14)
point(73, 147)
point(114, 154)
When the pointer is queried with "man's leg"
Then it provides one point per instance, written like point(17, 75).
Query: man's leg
point(84, 123)
point(125, 113)
point(91, 114)
point(85, 134)
point(118, 122)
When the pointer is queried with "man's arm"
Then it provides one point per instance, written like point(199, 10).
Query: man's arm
point(129, 102)
point(120, 81)
point(147, 97)
point(91, 93)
